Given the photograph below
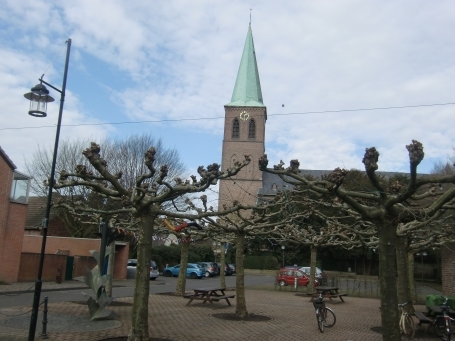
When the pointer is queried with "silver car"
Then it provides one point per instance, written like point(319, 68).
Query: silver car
point(132, 265)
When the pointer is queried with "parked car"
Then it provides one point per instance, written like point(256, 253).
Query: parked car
point(193, 270)
point(227, 269)
point(232, 266)
point(211, 269)
point(287, 277)
point(132, 265)
point(320, 275)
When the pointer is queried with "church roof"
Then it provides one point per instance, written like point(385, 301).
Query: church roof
point(247, 90)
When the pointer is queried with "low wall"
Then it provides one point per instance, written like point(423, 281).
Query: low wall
point(28, 270)
point(79, 248)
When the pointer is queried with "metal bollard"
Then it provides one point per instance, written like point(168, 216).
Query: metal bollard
point(296, 283)
point(44, 333)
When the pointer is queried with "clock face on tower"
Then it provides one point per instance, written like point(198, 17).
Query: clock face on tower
point(244, 115)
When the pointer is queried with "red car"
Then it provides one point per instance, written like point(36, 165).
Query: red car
point(287, 277)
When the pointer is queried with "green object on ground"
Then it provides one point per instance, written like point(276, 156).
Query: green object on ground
point(438, 300)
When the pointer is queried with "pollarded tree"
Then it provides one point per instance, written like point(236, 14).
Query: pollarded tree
point(242, 224)
point(143, 203)
point(315, 221)
point(383, 207)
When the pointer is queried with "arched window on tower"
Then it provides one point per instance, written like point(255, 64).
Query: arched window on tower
point(252, 130)
point(235, 129)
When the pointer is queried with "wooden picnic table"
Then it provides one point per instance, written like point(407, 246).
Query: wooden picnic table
point(437, 309)
point(327, 292)
point(208, 294)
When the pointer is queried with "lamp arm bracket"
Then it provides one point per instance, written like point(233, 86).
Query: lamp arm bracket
point(53, 87)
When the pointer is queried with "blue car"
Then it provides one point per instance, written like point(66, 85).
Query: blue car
point(192, 270)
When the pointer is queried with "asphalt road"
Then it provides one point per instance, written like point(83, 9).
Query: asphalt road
point(160, 285)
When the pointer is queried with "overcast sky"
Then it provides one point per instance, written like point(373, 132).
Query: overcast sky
point(135, 61)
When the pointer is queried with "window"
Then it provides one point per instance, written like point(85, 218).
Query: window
point(252, 130)
point(274, 187)
point(235, 129)
point(20, 188)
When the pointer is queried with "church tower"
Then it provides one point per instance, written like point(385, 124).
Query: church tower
point(244, 131)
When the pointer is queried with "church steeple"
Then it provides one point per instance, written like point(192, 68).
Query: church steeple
point(247, 90)
point(244, 131)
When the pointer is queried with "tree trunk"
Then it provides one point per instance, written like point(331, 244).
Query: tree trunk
point(240, 309)
point(403, 287)
point(110, 269)
point(314, 253)
point(139, 323)
point(222, 264)
point(411, 280)
point(388, 281)
point(181, 281)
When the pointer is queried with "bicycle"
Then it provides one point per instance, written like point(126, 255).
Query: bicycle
point(407, 326)
point(443, 324)
point(325, 316)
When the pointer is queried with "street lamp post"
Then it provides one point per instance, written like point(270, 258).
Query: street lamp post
point(282, 248)
point(39, 97)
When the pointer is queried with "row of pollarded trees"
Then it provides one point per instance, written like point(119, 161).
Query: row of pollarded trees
point(390, 211)
point(319, 212)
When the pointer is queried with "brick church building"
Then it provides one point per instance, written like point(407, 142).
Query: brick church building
point(244, 134)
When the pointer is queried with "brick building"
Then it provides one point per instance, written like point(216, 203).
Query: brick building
point(20, 236)
point(448, 268)
point(14, 187)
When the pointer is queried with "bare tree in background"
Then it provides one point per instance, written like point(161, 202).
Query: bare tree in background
point(125, 155)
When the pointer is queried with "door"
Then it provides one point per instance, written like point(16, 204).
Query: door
point(69, 268)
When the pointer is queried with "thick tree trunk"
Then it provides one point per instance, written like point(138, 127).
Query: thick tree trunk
point(222, 263)
point(412, 287)
point(110, 269)
point(403, 288)
point(314, 253)
point(388, 281)
point(240, 309)
point(181, 281)
point(139, 323)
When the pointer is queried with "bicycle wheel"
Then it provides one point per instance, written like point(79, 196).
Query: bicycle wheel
point(329, 318)
point(320, 320)
point(439, 328)
point(408, 326)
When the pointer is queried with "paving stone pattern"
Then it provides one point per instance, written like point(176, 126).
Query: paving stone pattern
point(291, 318)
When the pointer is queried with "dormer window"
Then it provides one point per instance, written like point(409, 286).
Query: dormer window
point(235, 129)
point(20, 188)
point(252, 130)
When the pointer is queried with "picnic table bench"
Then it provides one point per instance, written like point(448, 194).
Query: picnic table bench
point(422, 318)
point(208, 294)
point(327, 292)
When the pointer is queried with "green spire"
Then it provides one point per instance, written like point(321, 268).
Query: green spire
point(247, 90)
